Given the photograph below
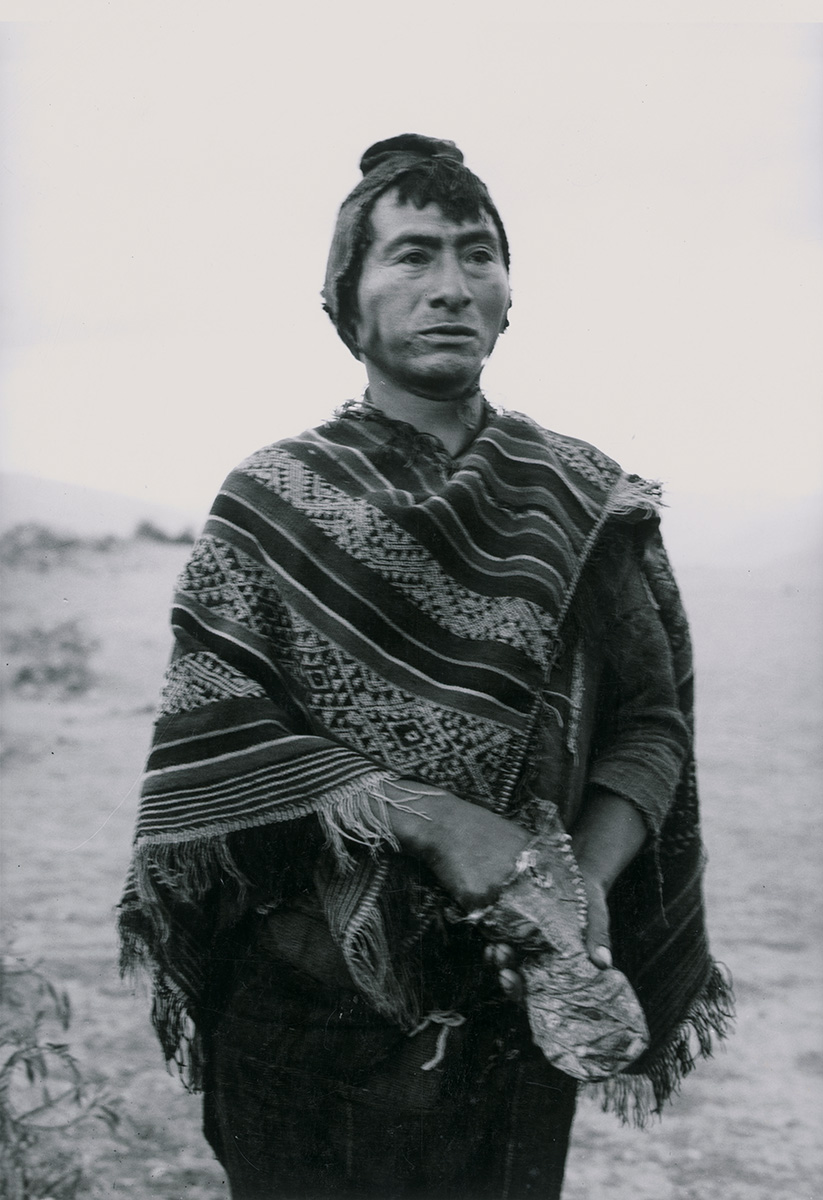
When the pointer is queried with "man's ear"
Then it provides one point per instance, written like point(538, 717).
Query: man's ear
point(505, 323)
point(351, 328)
point(349, 332)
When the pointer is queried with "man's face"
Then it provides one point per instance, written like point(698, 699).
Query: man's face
point(432, 297)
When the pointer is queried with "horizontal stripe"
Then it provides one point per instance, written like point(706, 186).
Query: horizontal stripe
point(394, 637)
point(293, 761)
point(249, 729)
point(497, 570)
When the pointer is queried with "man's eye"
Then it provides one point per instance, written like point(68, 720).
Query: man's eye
point(481, 254)
point(415, 258)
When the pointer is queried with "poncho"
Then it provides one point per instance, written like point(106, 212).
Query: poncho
point(361, 606)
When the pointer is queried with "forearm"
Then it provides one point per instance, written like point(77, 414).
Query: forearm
point(470, 849)
point(609, 834)
point(420, 815)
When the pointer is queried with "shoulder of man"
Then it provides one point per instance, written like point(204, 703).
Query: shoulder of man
point(270, 460)
point(574, 453)
point(579, 462)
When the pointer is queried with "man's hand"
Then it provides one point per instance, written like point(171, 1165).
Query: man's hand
point(471, 851)
point(607, 837)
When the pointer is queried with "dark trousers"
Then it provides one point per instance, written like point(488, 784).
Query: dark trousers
point(312, 1095)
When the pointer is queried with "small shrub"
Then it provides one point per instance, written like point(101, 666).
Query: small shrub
point(147, 531)
point(52, 661)
point(44, 1096)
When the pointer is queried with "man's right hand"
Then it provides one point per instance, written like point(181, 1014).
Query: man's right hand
point(471, 850)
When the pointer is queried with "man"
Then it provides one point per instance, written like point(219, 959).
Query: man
point(412, 646)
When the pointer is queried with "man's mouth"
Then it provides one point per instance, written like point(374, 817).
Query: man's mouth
point(450, 331)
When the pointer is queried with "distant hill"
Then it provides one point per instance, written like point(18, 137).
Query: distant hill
point(741, 533)
point(70, 508)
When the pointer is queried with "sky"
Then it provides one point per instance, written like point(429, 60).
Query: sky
point(170, 188)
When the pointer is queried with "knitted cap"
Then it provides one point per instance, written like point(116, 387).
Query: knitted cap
point(384, 166)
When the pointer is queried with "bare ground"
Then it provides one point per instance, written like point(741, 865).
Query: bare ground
point(747, 1124)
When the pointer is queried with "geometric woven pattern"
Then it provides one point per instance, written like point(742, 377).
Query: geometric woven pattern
point(394, 727)
point(202, 678)
point(401, 562)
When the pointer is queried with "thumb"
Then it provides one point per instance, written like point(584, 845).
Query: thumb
point(598, 941)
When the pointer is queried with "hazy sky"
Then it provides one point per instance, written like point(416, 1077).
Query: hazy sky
point(171, 187)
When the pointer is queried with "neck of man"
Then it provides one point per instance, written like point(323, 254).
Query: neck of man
point(453, 419)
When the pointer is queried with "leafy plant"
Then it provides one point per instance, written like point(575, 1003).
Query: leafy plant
point(44, 1095)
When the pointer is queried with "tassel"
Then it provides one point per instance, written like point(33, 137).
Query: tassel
point(446, 1021)
point(351, 902)
point(633, 494)
point(357, 813)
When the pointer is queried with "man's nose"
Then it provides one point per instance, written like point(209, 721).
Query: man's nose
point(449, 287)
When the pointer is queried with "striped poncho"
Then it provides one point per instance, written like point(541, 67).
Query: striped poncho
point(362, 607)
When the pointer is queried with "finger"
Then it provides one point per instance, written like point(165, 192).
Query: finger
point(601, 956)
point(511, 983)
point(598, 941)
point(499, 954)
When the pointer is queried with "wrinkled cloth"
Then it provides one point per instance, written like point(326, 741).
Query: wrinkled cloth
point(586, 1020)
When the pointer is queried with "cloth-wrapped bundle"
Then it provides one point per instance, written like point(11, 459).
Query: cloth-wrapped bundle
point(586, 1019)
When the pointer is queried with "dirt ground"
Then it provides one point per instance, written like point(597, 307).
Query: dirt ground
point(747, 1124)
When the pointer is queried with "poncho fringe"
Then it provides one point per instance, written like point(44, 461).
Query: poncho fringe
point(636, 1098)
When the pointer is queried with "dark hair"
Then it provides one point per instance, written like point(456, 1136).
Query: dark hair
point(422, 171)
